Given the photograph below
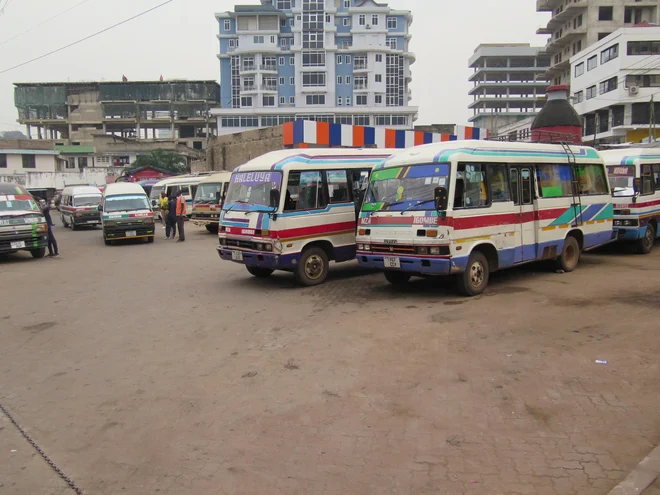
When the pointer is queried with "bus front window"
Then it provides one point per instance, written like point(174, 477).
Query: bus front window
point(207, 194)
point(621, 180)
point(406, 188)
point(252, 190)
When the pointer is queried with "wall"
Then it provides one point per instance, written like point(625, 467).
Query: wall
point(27, 144)
point(43, 163)
point(59, 180)
point(229, 151)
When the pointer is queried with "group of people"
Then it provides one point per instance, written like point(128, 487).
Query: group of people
point(173, 211)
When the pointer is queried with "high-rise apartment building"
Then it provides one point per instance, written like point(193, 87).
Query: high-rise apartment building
point(341, 61)
point(509, 84)
point(577, 24)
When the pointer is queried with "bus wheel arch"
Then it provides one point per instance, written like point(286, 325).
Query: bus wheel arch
point(313, 266)
point(491, 254)
point(645, 244)
point(571, 252)
point(482, 261)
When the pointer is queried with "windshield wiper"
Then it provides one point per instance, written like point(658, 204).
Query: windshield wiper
point(419, 203)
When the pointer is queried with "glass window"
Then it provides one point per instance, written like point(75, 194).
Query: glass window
point(647, 180)
point(579, 97)
point(656, 176)
point(526, 183)
point(554, 180)
point(305, 191)
point(362, 20)
point(592, 63)
point(3, 160)
point(227, 24)
point(609, 85)
point(29, 161)
point(269, 101)
point(591, 92)
point(579, 69)
point(374, 19)
point(361, 100)
point(609, 53)
point(338, 190)
point(379, 58)
point(592, 180)
point(339, 101)
point(499, 185)
point(605, 13)
point(470, 187)
point(391, 23)
point(346, 21)
point(644, 48)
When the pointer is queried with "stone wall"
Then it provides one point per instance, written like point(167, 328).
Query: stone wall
point(229, 151)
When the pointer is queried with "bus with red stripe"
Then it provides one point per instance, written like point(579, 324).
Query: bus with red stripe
point(295, 210)
point(468, 208)
point(635, 181)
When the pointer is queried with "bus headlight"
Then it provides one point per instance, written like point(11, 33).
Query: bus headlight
point(423, 250)
point(268, 247)
point(435, 250)
point(149, 221)
point(42, 228)
point(222, 241)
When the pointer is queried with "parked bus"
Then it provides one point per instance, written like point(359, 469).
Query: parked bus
point(79, 206)
point(207, 203)
point(22, 224)
point(468, 208)
point(295, 210)
point(126, 213)
point(635, 181)
point(186, 183)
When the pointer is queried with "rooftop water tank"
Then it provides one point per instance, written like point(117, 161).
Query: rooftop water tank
point(557, 121)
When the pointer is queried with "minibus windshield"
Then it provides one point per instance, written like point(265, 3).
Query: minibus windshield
point(621, 180)
point(87, 200)
point(128, 202)
point(405, 188)
point(206, 194)
point(250, 189)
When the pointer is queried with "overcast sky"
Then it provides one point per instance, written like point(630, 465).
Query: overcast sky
point(179, 41)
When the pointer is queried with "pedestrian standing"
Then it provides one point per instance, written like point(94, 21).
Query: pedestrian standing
point(164, 208)
point(53, 251)
point(181, 212)
point(170, 232)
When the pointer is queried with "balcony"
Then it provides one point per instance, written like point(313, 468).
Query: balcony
point(245, 68)
point(360, 66)
point(268, 87)
point(360, 87)
point(249, 88)
point(268, 67)
point(566, 38)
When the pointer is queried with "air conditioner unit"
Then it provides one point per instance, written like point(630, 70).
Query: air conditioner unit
point(633, 90)
point(368, 26)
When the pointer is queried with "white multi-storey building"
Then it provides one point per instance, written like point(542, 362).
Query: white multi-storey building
point(614, 83)
point(341, 61)
point(576, 24)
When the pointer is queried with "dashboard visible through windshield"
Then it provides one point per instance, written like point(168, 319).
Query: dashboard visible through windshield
point(249, 189)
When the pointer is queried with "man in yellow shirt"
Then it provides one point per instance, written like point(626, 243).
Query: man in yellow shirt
point(164, 208)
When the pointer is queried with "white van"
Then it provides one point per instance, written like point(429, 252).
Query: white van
point(184, 183)
point(126, 213)
point(79, 206)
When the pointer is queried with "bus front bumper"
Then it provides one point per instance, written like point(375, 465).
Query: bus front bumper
point(629, 234)
point(260, 260)
point(414, 264)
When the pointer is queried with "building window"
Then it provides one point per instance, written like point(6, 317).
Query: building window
point(340, 60)
point(29, 161)
point(348, 101)
point(292, 81)
point(592, 63)
point(282, 81)
point(361, 100)
point(227, 25)
point(391, 43)
point(379, 58)
point(379, 99)
point(313, 59)
point(348, 79)
point(362, 20)
point(347, 59)
point(578, 97)
point(281, 61)
point(347, 4)
point(374, 19)
point(282, 100)
point(379, 78)
point(246, 101)
point(312, 40)
point(346, 21)
point(643, 81)
point(82, 162)
point(609, 53)
point(328, 19)
point(644, 48)
point(283, 22)
point(292, 100)
point(340, 80)
point(283, 42)
point(259, 39)
point(577, 22)
point(360, 82)
point(339, 101)
point(579, 69)
point(269, 101)
point(605, 13)
point(3, 160)
point(591, 92)
point(577, 47)
point(292, 60)
point(284, 4)
point(391, 23)
point(609, 85)
point(292, 22)
point(603, 35)
point(315, 99)
point(311, 79)
point(70, 162)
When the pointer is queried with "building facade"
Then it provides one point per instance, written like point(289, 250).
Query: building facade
point(336, 61)
point(577, 24)
point(509, 84)
point(614, 84)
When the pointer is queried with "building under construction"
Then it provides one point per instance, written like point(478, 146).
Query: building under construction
point(144, 110)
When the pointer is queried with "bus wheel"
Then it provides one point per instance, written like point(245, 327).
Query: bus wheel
point(38, 253)
point(73, 225)
point(313, 267)
point(645, 244)
point(64, 224)
point(397, 278)
point(259, 272)
point(474, 279)
point(570, 256)
point(213, 229)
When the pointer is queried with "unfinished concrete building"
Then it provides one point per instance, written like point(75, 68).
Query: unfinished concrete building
point(73, 113)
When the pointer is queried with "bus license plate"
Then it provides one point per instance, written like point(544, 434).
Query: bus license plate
point(237, 256)
point(392, 262)
point(131, 233)
point(18, 245)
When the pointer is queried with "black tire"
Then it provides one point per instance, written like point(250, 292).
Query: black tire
point(38, 253)
point(570, 255)
point(73, 225)
point(313, 267)
point(645, 244)
point(474, 280)
point(107, 242)
point(259, 272)
point(397, 278)
point(150, 239)
point(212, 229)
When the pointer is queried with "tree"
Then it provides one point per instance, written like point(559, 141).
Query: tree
point(12, 135)
point(165, 160)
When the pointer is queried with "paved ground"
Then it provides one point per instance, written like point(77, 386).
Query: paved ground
point(160, 369)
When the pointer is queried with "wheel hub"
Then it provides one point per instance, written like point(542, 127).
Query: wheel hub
point(314, 267)
point(476, 274)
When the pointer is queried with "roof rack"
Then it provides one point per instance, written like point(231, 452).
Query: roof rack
point(539, 136)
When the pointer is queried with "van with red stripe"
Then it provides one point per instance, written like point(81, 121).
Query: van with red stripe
point(635, 180)
point(207, 203)
point(468, 208)
point(22, 223)
point(79, 206)
point(295, 210)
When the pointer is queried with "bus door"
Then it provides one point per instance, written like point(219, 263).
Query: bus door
point(522, 192)
point(359, 181)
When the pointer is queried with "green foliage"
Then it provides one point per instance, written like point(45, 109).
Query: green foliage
point(164, 160)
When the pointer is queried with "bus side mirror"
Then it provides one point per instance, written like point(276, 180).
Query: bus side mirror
point(274, 198)
point(637, 185)
point(441, 198)
point(218, 196)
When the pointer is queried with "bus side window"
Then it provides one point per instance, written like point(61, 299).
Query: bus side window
point(656, 176)
point(515, 186)
point(499, 187)
point(527, 186)
point(305, 191)
point(647, 180)
point(337, 186)
point(473, 178)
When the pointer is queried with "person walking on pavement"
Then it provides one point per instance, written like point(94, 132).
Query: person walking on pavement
point(164, 208)
point(181, 212)
point(170, 232)
point(53, 251)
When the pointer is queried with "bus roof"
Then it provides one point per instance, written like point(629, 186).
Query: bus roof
point(82, 191)
point(119, 188)
point(490, 151)
point(300, 158)
point(631, 156)
point(182, 179)
point(215, 178)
